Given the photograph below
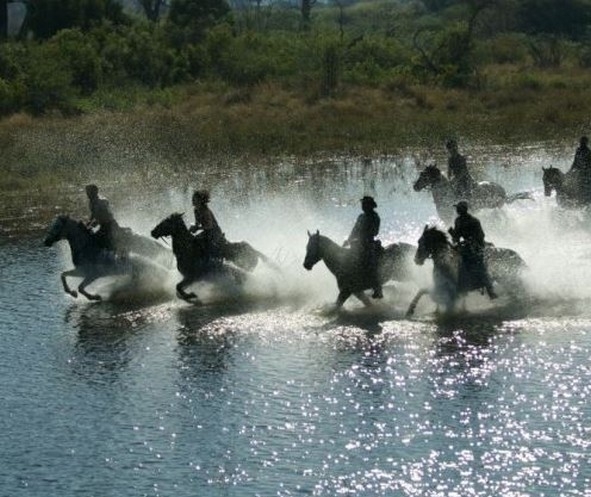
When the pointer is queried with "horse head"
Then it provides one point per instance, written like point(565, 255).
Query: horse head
point(429, 176)
point(313, 252)
point(430, 242)
point(57, 230)
point(170, 226)
point(552, 178)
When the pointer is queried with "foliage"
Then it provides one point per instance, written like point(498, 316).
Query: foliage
point(86, 53)
point(191, 18)
point(47, 17)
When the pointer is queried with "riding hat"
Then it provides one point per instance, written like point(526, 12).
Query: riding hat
point(92, 189)
point(369, 201)
point(202, 195)
point(451, 143)
point(462, 205)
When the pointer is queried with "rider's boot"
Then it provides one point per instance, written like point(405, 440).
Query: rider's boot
point(377, 292)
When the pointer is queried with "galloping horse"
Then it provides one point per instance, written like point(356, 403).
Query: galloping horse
point(90, 260)
point(485, 194)
point(504, 265)
point(191, 263)
point(565, 186)
point(394, 264)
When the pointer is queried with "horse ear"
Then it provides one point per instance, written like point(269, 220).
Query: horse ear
point(425, 228)
point(544, 169)
point(318, 232)
point(309, 234)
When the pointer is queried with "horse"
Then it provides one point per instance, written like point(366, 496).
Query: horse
point(190, 255)
point(393, 264)
point(485, 194)
point(505, 267)
point(91, 261)
point(565, 185)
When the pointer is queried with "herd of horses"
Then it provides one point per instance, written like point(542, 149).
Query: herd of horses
point(137, 254)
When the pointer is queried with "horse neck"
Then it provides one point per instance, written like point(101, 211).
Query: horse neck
point(332, 254)
point(446, 260)
point(78, 239)
point(442, 189)
point(181, 240)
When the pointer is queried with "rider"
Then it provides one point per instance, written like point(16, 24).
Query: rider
point(364, 245)
point(457, 171)
point(101, 216)
point(582, 168)
point(468, 234)
point(205, 221)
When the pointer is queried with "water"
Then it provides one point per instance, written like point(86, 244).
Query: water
point(266, 394)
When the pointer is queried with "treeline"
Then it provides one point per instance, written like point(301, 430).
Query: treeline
point(71, 53)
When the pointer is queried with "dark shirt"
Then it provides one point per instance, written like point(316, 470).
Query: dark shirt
point(100, 212)
point(456, 167)
point(206, 221)
point(365, 230)
point(468, 229)
point(582, 160)
point(459, 176)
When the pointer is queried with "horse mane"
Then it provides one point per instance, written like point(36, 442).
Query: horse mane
point(438, 236)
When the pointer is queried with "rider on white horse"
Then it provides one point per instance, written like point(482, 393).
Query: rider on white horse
point(363, 243)
point(101, 216)
point(211, 234)
point(468, 234)
point(457, 172)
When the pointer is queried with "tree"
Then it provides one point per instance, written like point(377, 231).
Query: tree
point(193, 17)
point(306, 10)
point(563, 18)
point(153, 8)
point(3, 19)
point(47, 17)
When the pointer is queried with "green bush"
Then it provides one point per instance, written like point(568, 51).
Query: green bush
point(82, 58)
point(47, 81)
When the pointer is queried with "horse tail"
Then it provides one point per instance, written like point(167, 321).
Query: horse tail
point(519, 196)
point(245, 256)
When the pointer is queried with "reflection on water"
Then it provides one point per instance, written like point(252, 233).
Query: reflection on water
point(265, 393)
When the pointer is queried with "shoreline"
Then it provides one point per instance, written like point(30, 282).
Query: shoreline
point(49, 158)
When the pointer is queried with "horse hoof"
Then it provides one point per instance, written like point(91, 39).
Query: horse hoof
point(74, 294)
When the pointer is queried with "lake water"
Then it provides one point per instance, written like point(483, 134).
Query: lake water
point(265, 393)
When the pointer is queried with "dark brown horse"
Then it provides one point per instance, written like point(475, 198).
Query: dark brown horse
point(192, 262)
point(91, 261)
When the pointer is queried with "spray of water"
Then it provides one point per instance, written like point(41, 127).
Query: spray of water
point(274, 208)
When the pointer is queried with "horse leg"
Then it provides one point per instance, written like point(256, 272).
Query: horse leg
point(415, 301)
point(180, 290)
point(72, 272)
point(343, 296)
point(364, 298)
point(82, 288)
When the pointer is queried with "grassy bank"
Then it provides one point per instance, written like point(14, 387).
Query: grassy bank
point(162, 140)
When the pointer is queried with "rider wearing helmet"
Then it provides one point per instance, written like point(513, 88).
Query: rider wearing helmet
point(468, 234)
point(363, 243)
point(205, 221)
point(457, 171)
point(101, 216)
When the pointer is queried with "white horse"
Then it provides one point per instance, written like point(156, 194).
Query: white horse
point(484, 195)
point(504, 265)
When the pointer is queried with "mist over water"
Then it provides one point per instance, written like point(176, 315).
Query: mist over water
point(261, 392)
